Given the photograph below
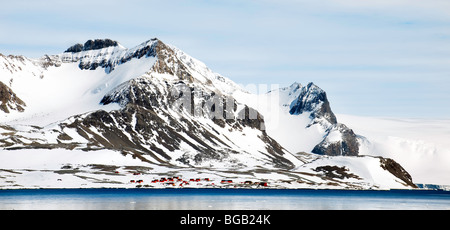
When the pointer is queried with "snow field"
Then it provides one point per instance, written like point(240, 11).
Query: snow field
point(421, 146)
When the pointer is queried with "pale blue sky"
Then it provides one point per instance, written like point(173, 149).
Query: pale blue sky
point(373, 57)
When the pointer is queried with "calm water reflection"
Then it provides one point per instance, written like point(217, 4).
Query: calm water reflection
point(222, 199)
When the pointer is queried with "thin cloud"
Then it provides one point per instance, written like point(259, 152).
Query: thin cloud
point(333, 43)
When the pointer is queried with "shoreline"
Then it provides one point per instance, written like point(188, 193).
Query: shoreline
point(230, 189)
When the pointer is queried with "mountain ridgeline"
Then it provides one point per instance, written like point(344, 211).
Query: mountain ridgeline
point(159, 105)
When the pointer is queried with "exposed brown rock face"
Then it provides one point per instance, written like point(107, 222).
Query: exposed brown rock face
point(147, 105)
point(397, 170)
point(168, 63)
point(9, 100)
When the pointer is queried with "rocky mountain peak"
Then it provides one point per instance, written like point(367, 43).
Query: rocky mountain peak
point(107, 54)
point(339, 140)
point(313, 99)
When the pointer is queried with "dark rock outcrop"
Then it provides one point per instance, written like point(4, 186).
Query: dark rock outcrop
point(335, 172)
point(397, 170)
point(92, 45)
point(75, 48)
point(313, 99)
point(346, 146)
point(9, 100)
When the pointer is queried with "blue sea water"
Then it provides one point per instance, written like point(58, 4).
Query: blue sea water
point(221, 199)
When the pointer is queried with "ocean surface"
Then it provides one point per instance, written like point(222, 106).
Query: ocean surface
point(221, 199)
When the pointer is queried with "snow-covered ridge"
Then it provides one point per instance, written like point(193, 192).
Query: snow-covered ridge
point(123, 104)
point(108, 57)
point(55, 87)
point(200, 70)
point(300, 118)
point(28, 77)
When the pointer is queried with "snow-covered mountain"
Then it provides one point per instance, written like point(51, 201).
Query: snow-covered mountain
point(324, 135)
point(98, 112)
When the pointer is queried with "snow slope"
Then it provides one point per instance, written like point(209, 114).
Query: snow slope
point(289, 130)
point(56, 92)
point(421, 145)
point(60, 168)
